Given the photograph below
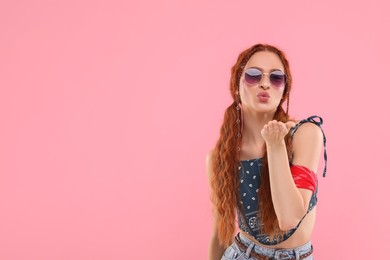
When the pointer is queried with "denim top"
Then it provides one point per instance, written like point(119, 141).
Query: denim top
point(249, 183)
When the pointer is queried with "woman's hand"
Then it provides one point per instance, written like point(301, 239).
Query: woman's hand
point(274, 131)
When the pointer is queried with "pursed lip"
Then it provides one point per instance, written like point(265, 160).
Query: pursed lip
point(262, 94)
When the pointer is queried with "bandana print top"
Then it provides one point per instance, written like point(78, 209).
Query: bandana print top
point(249, 184)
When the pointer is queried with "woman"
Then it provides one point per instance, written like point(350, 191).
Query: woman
point(263, 165)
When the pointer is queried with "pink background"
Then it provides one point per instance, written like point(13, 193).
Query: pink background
point(108, 109)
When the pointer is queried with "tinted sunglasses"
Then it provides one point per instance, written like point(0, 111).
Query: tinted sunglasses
point(253, 77)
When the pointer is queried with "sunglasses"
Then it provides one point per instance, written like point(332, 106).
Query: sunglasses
point(253, 77)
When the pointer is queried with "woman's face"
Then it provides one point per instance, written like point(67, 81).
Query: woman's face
point(267, 62)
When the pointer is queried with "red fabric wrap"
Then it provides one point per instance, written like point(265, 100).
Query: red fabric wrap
point(304, 177)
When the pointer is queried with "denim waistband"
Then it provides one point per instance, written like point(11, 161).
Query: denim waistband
point(276, 253)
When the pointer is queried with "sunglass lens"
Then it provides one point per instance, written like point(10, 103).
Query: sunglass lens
point(253, 76)
point(278, 79)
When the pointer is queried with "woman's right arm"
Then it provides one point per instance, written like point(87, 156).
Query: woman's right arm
point(215, 249)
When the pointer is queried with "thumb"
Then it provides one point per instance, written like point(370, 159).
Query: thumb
point(290, 124)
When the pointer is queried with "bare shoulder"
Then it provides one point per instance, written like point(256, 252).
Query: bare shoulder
point(308, 131)
point(307, 145)
point(209, 163)
point(209, 155)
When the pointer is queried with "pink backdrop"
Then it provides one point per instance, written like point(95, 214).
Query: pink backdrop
point(108, 109)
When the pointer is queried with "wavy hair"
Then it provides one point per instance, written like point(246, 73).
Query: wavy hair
point(226, 155)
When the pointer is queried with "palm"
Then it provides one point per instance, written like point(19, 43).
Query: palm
point(275, 131)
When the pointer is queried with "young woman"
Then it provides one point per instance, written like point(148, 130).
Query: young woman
point(262, 169)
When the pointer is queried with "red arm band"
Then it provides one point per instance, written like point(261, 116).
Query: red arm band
point(304, 177)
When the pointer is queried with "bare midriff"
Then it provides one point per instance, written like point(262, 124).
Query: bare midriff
point(301, 236)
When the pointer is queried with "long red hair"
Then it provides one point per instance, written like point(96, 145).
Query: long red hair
point(226, 155)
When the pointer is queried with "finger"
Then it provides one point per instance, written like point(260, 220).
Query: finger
point(290, 124)
point(282, 127)
point(277, 126)
point(264, 131)
point(272, 127)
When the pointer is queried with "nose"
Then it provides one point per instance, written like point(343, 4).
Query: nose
point(265, 83)
point(264, 86)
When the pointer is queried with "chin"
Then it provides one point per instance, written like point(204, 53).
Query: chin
point(265, 109)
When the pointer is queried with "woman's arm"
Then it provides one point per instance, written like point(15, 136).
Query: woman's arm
point(290, 202)
point(215, 249)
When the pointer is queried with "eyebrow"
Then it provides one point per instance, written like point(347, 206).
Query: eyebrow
point(263, 69)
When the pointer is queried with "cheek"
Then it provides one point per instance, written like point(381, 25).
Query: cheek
point(279, 92)
point(247, 91)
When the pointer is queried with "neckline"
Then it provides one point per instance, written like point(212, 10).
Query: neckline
point(254, 159)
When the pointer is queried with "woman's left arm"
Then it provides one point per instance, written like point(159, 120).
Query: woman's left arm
point(290, 203)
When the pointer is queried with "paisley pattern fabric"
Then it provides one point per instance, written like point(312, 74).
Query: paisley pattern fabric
point(249, 184)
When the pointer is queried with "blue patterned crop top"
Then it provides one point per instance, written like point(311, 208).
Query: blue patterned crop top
point(249, 184)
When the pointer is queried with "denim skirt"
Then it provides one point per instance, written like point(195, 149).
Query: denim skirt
point(234, 252)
